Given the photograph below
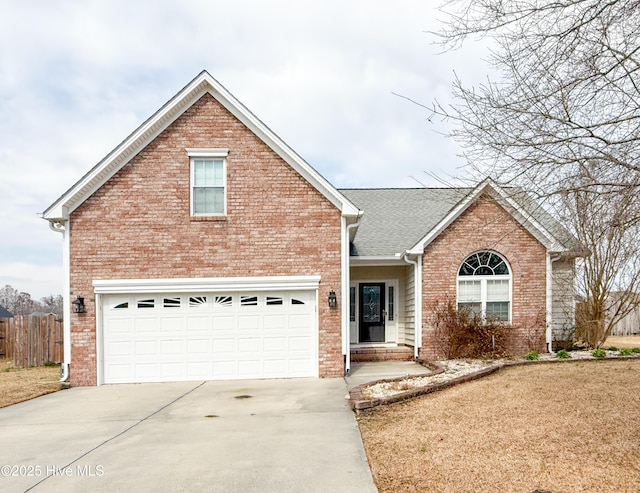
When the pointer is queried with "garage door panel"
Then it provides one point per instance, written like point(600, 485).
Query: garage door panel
point(300, 343)
point(198, 346)
point(145, 372)
point(249, 322)
point(172, 347)
point(275, 367)
point(119, 348)
point(223, 323)
point(249, 345)
point(194, 336)
point(250, 368)
point(146, 325)
point(224, 346)
point(172, 370)
point(198, 324)
point(275, 322)
point(198, 369)
point(120, 373)
point(300, 321)
point(299, 367)
point(146, 348)
point(119, 325)
point(172, 325)
point(275, 344)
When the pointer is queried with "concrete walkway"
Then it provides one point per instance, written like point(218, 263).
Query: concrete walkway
point(362, 373)
point(249, 436)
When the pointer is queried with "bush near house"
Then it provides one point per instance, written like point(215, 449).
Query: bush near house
point(462, 333)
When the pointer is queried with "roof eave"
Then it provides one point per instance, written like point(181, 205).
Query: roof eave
point(159, 121)
point(545, 237)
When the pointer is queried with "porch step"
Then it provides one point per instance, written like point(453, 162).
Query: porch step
point(400, 353)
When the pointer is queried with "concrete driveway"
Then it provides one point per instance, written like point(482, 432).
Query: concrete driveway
point(258, 435)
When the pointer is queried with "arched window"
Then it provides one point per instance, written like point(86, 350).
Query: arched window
point(484, 285)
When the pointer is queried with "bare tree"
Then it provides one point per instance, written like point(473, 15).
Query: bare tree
point(609, 278)
point(9, 298)
point(567, 101)
point(21, 303)
point(52, 304)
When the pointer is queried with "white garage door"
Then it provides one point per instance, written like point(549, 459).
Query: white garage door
point(208, 336)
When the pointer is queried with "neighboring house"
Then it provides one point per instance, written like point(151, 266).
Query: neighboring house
point(203, 247)
point(4, 313)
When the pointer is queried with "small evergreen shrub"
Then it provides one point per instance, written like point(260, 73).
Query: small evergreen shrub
point(563, 354)
point(599, 353)
point(532, 356)
point(613, 348)
point(635, 350)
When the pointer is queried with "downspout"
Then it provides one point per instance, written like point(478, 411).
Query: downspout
point(61, 227)
point(417, 282)
point(549, 332)
point(346, 281)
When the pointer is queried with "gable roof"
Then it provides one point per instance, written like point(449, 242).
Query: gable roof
point(398, 221)
point(159, 121)
point(4, 313)
point(395, 219)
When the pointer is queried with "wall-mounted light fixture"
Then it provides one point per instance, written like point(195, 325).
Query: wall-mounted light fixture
point(78, 305)
point(333, 301)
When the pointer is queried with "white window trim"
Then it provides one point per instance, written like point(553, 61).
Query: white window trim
point(202, 153)
point(483, 285)
point(483, 292)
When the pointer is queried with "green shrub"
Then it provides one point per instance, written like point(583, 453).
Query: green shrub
point(635, 350)
point(625, 351)
point(532, 356)
point(599, 353)
point(613, 348)
point(563, 354)
point(50, 363)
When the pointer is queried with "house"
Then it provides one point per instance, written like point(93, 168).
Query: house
point(204, 247)
point(4, 313)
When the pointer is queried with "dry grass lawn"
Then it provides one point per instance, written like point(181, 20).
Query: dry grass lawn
point(622, 341)
point(22, 384)
point(569, 427)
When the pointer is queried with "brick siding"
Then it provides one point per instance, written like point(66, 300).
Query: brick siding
point(138, 226)
point(485, 225)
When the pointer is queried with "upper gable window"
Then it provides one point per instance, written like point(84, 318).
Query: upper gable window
point(208, 181)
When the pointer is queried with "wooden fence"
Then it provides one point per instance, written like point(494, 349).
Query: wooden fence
point(31, 340)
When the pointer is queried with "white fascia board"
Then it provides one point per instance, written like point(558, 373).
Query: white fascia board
point(376, 261)
point(164, 117)
point(517, 212)
point(126, 150)
point(213, 284)
point(418, 248)
point(527, 221)
point(269, 137)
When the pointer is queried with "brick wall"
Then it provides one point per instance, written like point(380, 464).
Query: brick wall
point(485, 225)
point(138, 226)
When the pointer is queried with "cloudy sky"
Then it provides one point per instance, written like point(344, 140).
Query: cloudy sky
point(76, 77)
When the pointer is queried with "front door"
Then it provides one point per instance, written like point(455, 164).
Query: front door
point(372, 314)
